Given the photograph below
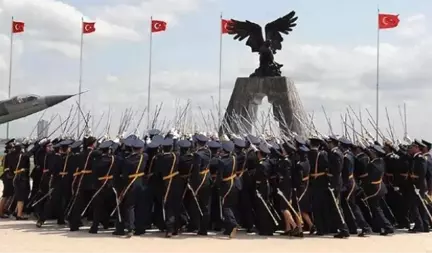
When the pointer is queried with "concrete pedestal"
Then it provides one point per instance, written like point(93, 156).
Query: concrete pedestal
point(248, 94)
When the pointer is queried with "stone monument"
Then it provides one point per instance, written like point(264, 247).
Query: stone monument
point(266, 80)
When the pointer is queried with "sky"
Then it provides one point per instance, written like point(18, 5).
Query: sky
point(331, 56)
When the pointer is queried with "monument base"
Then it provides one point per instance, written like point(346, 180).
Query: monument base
point(248, 94)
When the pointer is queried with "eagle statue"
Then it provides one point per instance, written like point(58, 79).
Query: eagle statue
point(268, 47)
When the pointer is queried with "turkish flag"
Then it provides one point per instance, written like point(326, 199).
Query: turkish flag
point(17, 27)
point(387, 21)
point(88, 27)
point(224, 23)
point(158, 26)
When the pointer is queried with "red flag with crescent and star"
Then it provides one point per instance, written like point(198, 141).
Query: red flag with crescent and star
point(17, 27)
point(88, 27)
point(387, 21)
point(158, 26)
point(224, 23)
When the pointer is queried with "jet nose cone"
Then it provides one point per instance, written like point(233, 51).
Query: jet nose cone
point(53, 100)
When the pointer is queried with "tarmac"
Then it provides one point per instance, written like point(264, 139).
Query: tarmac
point(23, 236)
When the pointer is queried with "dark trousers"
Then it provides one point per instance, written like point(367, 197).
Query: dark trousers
point(82, 198)
point(378, 218)
point(229, 202)
point(352, 213)
point(103, 203)
point(143, 208)
point(127, 212)
point(204, 200)
point(320, 200)
point(55, 204)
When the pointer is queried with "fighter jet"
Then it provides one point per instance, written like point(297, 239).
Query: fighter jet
point(24, 105)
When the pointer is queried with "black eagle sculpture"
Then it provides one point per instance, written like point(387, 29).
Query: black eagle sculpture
point(268, 47)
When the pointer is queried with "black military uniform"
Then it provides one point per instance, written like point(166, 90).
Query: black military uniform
point(318, 184)
point(353, 214)
point(375, 189)
point(20, 163)
point(215, 205)
point(201, 181)
point(59, 185)
point(105, 167)
point(7, 179)
point(335, 158)
point(166, 168)
point(185, 168)
point(132, 171)
point(228, 188)
point(265, 220)
point(83, 183)
point(417, 190)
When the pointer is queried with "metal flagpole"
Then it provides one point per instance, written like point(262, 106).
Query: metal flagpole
point(405, 122)
point(149, 74)
point(10, 72)
point(220, 72)
point(377, 77)
point(80, 77)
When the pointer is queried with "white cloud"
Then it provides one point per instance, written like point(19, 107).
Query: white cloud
point(325, 74)
point(112, 79)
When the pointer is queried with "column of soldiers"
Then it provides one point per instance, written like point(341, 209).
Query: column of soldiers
point(196, 184)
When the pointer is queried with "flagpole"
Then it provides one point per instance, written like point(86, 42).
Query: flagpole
point(220, 72)
point(149, 74)
point(377, 76)
point(80, 76)
point(10, 71)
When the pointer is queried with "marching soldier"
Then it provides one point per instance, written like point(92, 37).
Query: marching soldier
point(132, 172)
point(428, 156)
point(166, 168)
point(265, 220)
point(335, 162)
point(20, 163)
point(349, 189)
point(375, 189)
point(215, 212)
point(82, 183)
point(228, 187)
point(105, 167)
point(201, 181)
point(7, 179)
point(418, 209)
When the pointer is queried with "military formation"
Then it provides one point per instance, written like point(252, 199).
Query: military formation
point(198, 183)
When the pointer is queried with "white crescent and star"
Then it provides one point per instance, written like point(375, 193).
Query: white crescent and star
point(18, 27)
point(226, 26)
point(385, 21)
point(157, 25)
point(88, 28)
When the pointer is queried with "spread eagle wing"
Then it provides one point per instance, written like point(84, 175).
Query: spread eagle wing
point(246, 29)
point(283, 25)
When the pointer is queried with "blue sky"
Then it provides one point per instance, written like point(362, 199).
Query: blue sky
point(329, 54)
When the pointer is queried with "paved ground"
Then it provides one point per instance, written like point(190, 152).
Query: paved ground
point(23, 236)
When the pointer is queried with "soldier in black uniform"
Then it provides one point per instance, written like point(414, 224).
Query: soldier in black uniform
point(228, 187)
point(335, 165)
point(417, 188)
point(132, 171)
point(105, 167)
point(84, 182)
point(265, 220)
point(428, 156)
point(284, 192)
point(166, 168)
point(42, 160)
point(353, 214)
point(59, 186)
point(7, 178)
point(215, 206)
point(185, 168)
point(375, 189)
point(19, 162)
point(201, 181)
point(247, 194)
